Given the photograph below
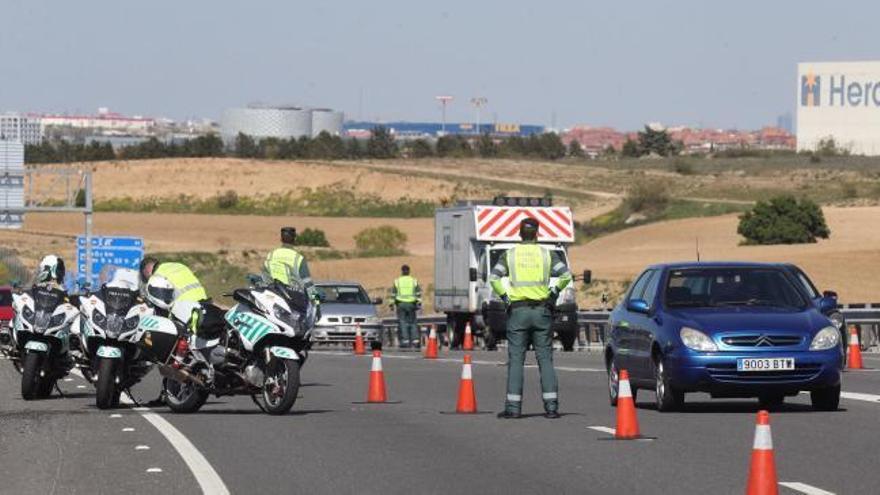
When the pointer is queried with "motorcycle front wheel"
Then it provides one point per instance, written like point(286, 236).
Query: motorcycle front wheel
point(281, 386)
point(106, 394)
point(32, 384)
point(183, 398)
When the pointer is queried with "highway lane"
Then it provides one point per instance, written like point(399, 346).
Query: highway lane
point(333, 442)
point(66, 445)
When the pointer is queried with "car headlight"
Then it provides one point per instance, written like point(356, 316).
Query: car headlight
point(825, 339)
point(371, 320)
point(697, 340)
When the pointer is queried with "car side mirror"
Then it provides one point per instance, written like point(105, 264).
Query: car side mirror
point(638, 306)
point(829, 294)
point(827, 304)
point(588, 277)
point(472, 274)
point(377, 301)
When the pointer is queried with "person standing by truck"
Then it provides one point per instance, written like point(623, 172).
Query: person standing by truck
point(530, 300)
point(407, 297)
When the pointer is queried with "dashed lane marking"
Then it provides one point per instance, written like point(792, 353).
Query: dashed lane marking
point(862, 397)
point(115, 415)
point(603, 429)
point(207, 478)
point(80, 386)
point(142, 447)
point(154, 470)
point(127, 430)
point(804, 488)
point(458, 360)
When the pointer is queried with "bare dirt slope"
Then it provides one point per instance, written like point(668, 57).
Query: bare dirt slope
point(849, 262)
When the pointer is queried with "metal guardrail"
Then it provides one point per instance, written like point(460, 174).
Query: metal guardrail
point(593, 325)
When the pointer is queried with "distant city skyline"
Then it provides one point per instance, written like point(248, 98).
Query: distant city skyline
point(692, 63)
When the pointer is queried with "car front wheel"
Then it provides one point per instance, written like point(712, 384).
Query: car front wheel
point(668, 398)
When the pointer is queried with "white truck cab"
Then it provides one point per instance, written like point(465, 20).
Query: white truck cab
point(470, 238)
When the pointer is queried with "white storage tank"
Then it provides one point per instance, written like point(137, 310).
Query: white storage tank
point(325, 119)
point(263, 122)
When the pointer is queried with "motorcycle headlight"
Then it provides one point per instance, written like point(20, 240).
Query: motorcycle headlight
point(697, 340)
point(99, 319)
point(825, 339)
point(28, 315)
point(57, 320)
point(132, 323)
point(283, 315)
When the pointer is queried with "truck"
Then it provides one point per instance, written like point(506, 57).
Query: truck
point(469, 239)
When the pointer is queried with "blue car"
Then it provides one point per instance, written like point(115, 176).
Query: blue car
point(726, 329)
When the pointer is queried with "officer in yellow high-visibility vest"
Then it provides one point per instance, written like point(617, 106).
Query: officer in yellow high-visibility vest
point(530, 298)
point(407, 296)
point(186, 285)
point(287, 265)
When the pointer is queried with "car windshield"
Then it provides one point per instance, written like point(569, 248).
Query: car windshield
point(722, 287)
point(343, 294)
point(5, 298)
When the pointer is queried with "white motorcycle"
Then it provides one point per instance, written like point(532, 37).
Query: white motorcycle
point(260, 353)
point(41, 339)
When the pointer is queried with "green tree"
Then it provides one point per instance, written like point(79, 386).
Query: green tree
point(630, 149)
point(575, 150)
point(384, 240)
point(783, 220)
point(353, 149)
point(551, 146)
point(486, 146)
point(453, 145)
point(245, 146)
point(312, 237)
point(381, 144)
point(656, 141)
point(420, 148)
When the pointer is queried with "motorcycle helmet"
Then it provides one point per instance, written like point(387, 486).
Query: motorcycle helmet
point(147, 267)
point(51, 269)
point(160, 292)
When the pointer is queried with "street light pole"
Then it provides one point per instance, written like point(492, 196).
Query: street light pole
point(479, 102)
point(444, 100)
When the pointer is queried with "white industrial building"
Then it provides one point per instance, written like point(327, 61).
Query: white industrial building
point(20, 128)
point(839, 100)
point(282, 122)
point(104, 120)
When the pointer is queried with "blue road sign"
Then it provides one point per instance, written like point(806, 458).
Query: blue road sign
point(122, 252)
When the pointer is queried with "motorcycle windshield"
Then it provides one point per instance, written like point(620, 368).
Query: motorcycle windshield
point(118, 301)
point(46, 300)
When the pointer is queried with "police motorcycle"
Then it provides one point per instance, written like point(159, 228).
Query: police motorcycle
point(258, 352)
point(41, 333)
point(114, 327)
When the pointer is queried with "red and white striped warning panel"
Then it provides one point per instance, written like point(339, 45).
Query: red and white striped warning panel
point(501, 223)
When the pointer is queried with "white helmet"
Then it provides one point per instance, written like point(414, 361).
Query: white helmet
point(160, 292)
point(51, 268)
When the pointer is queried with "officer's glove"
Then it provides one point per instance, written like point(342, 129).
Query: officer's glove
point(505, 299)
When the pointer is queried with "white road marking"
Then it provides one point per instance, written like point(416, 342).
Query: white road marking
point(154, 470)
point(80, 386)
point(127, 429)
point(207, 478)
point(68, 379)
point(115, 415)
point(142, 447)
point(804, 488)
point(862, 397)
point(603, 429)
point(458, 360)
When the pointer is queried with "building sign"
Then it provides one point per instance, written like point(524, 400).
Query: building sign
point(11, 184)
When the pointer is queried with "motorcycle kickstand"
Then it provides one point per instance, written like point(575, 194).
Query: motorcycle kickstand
point(58, 388)
point(258, 403)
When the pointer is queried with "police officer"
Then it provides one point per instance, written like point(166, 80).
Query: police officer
point(530, 300)
point(184, 282)
point(287, 265)
point(407, 296)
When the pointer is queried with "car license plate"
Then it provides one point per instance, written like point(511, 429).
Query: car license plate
point(765, 364)
point(345, 328)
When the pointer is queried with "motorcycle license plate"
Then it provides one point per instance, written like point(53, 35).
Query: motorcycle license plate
point(765, 364)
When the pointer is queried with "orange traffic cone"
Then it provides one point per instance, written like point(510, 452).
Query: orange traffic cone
point(854, 351)
point(431, 348)
point(627, 423)
point(762, 471)
point(358, 341)
point(468, 344)
point(376, 393)
point(467, 396)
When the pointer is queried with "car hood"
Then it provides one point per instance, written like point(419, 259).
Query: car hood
point(336, 309)
point(713, 321)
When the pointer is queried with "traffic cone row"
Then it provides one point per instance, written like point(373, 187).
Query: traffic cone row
point(854, 351)
point(762, 469)
point(431, 348)
point(467, 396)
point(468, 344)
point(627, 423)
point(358, 341)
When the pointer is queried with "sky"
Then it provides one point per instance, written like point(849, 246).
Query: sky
point(619, 63)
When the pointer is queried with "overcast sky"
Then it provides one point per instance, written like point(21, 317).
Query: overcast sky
point(619, 63)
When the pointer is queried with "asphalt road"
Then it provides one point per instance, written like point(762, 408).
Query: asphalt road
point(334, 443)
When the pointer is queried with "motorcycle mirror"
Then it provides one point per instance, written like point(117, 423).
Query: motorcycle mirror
point(588, 277)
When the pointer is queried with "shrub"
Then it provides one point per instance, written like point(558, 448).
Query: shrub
point(227, 200)
point(312, 237)
point(682, 167)
point(647, 196)
point(783, 220)
point(384, 240)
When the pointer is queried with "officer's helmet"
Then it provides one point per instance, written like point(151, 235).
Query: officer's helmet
point(160, 292)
